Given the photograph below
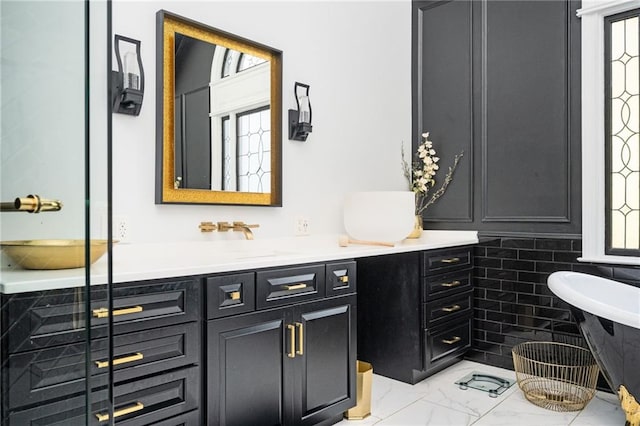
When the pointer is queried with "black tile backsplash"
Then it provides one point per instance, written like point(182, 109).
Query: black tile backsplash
point(512, 303)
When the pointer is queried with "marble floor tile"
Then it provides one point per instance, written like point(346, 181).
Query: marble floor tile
point(603, 410)
point(389, 395)
point(516, 406)
point(427, 413)
point(441, 388)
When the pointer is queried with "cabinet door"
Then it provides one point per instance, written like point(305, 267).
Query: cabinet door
point(325, 359)
point(248, 369)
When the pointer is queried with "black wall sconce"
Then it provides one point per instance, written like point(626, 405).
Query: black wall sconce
point(128, 81)
point(300, 119)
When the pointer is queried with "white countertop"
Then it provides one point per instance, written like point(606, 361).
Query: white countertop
point(136, 262)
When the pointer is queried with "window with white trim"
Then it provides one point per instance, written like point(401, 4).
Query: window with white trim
point(610, 131)
point(622, 136)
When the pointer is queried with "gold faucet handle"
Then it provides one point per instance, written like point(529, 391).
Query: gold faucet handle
point(245, 225)
point(224, 226)
point(207, 226)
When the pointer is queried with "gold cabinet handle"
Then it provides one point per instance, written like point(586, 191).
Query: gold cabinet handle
point(451, 308)
point(455, 339)
point(300, 350)
point(344, 279)
point(104, 312)
point(451, 284)
point(292, 338)
point(296, 286)
point(234, 295)
point(125, 359)
point(123, 412)
point(451, 260)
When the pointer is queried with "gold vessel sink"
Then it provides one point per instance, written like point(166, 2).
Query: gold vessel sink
point(52, 254)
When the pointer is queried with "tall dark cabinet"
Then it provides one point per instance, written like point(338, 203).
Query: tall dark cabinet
point(500, 79)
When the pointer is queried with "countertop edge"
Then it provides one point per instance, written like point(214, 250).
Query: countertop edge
point(131, 264)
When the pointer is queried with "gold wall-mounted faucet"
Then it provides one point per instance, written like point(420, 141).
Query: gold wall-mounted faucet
point(226, 226)
point(31, 204)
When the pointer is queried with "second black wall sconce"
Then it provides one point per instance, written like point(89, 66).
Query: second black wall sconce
point(300, 119)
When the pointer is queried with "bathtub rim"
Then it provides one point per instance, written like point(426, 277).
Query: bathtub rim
point(557, 283)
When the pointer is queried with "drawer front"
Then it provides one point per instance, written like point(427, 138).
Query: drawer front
point(447, 308)
point(144, 305)
point(284, 286)
point(445, 284)
point(142, 402)
point(45, 374)
point(341, 278)
point(191, 418)
point(444, 343)
point(441, 261)
point(230, 295)
point(56, 317)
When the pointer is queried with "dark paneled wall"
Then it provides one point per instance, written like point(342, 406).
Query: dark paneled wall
point(500, 79)
point(512, 301)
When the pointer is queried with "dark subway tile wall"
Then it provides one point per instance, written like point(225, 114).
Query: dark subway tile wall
point(512, 303)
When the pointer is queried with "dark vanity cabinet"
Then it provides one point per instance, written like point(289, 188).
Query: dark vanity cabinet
point(156, 355)
point(281, 345)
point(415, 311)
point(272, 346)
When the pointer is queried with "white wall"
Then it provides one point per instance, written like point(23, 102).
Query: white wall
point(357, 58)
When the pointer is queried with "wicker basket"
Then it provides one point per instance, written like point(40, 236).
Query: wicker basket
point(555, 376)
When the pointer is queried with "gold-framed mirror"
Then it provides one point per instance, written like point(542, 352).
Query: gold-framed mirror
point(219, 116)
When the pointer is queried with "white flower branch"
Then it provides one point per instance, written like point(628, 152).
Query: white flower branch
point(421, 174)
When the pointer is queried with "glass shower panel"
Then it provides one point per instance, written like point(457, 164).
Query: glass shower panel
point(53, 146)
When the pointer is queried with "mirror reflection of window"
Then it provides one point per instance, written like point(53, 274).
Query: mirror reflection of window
point(254, 151)
point(219, 91)
point(240, 116)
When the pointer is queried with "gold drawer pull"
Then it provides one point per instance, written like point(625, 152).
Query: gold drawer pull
point(234, 295)
point(296, 286)
point(123, 412)
point(292, 338)
point(451, 284)
point(451, 308)
point(451, 260)
point(104, 312)
point(300, 350)
point(455, 339)
point(125, 359)
point(344, 279)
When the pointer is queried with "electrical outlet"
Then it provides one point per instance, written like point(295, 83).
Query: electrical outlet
point(302, 226)
point(121, 231)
